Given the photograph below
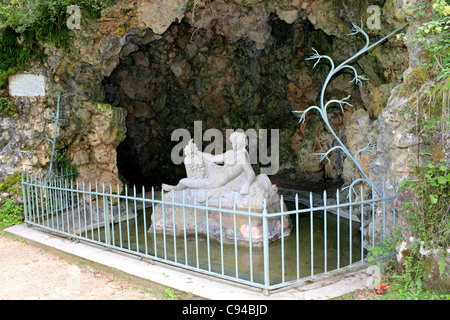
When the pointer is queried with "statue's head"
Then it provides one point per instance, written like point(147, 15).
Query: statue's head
point(238, 140)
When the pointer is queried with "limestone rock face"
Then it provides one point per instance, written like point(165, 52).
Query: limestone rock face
point(360, 131)
point(158, 15)
point(231, 64)
point(103, 129)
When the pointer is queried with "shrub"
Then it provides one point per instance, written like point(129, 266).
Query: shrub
point(429, 207)
point(26, 23)
point(10, 213)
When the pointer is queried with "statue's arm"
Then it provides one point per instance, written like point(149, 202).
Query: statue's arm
point(219, 158)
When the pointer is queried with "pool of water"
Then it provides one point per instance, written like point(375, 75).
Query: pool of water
point(289, 258)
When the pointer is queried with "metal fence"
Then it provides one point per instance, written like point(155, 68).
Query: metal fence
point(327, 234)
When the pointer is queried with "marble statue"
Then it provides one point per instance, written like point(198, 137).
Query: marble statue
point(203, 172)
point(232, 185)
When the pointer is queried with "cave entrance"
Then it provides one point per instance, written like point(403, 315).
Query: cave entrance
point(168, 82)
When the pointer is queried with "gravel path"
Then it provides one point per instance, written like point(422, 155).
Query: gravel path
point(28, 273)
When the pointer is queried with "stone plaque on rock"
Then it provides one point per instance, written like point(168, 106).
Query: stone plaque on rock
point(27, 85)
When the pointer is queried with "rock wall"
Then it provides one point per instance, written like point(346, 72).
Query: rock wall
point(148, 66)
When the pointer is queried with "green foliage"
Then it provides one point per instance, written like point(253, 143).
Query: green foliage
point(399, 290)
point(11, 183)
point(169, 294)
point(10, 213)
point(26, 23)
point(379, 253)
point(14, 56)
point(408, 281)
point(427, 215)
point(63, 162)
point(7, 106)
point(22, 15)
point(427, 211)
point(434, 35)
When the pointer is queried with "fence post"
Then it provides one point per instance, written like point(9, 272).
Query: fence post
point(266, 248)
point(24, 200)
point(107, 220)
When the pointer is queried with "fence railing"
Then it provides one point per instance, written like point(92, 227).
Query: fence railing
point(325, 235)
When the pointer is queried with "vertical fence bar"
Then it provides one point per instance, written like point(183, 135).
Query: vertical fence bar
point(56, 201)
point(90, 209)
point(338, 245)
point(362, 223)
point(221, 235)
point(98, 211)
point(207, 235)
point(266, 249)
point(250, 236)
point(235, 240)
point(384, 213)
point(35, 211)
point(106, 217)
point(37, 201)
point(282, 240)
point(61, 202)
point(164, 224)
point(174, 229)
point(41, 187)
point(61, 199)
point(136, 219)
point(119, 216)
point(27, 197)
point(72, 196)
point(78, 210)
point(128, 217)
point(297, 236)
point(66, 186)
point(25, 207)
point(184, 225)
point(154, 222)
point(196, 231)
point(85, 213)
point(350, 225)
point(311, 236)
point(67, 203)
point(373, 218)
point(51, 202)
point(30, 210)
point(111, 202)
point(145, 218)
point(47, 199)
point(325, 231)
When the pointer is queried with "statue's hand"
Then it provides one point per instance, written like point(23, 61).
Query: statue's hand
point(245, 189)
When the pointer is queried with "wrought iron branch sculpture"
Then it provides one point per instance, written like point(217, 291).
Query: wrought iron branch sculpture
point(343, 102)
